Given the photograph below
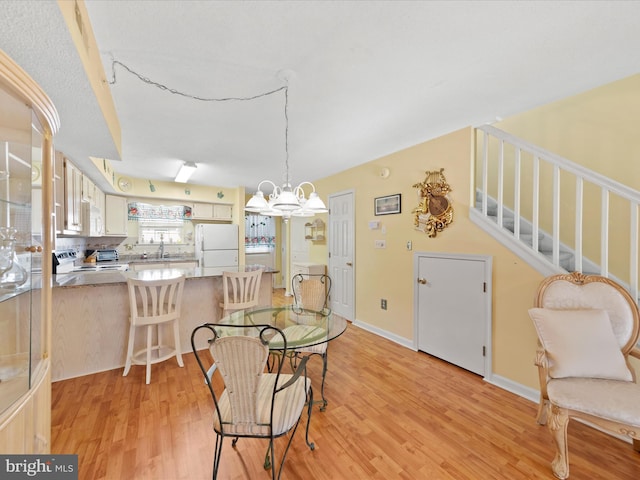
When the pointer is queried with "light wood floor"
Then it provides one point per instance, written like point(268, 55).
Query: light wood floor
point(393, 414)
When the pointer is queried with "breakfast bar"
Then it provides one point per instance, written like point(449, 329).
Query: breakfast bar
point(91, 310)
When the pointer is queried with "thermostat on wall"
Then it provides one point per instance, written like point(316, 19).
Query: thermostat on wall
point(374, 224)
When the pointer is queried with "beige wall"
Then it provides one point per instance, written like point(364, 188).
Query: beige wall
point(596, 129)
point(388, 273)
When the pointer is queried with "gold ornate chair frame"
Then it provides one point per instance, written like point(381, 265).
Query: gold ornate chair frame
point(605, 397)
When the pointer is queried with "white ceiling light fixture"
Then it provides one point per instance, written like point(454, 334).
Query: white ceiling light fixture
point(286, 201)
point(185, 172)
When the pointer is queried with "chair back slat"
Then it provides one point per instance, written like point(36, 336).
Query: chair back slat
point(155, 301)
point(241, 289)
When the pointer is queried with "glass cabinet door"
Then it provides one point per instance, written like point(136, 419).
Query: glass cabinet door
point(33, 252)
point(16, 141)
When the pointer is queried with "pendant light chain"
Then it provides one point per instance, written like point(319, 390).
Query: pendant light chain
point(285, 201)
point(286, 134)
point(173, 91)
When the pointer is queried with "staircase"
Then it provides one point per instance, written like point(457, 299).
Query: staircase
point(555, 214)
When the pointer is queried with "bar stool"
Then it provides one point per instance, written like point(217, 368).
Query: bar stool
point(154, 302)
point(240, 290)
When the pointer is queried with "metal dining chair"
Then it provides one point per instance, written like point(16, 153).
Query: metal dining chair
point(249, 401)
point(311, 292)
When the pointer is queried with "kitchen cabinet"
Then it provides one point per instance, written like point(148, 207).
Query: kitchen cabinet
point(100, 208)
point(72, 197)
point(212, 211)
point(27, 125)
point(222, 211)
point(88, 190)
point(115, 216)
point(93, 215)
point(58, 192)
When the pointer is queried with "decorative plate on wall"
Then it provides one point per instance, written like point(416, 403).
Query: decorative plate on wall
point(125, 184)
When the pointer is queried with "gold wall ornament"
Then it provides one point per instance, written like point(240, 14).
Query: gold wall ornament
point(434, 212)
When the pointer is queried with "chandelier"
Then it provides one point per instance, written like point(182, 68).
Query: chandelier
point(286, 201)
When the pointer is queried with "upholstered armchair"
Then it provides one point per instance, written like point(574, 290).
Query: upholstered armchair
point(587, 327)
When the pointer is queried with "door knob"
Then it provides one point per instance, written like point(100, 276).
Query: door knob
point(422, 281)
point(349, 264)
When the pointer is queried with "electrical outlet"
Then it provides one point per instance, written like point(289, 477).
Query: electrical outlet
point(380, 244)
point(383, 303)
point(409, 245)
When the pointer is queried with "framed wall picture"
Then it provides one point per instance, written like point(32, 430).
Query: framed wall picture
point(387, 205)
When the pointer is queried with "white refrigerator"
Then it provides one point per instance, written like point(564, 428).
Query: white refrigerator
point(217, 245)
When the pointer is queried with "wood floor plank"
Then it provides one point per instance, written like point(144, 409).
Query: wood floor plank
point(393, 414)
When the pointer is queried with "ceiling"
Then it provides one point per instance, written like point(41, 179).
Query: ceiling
point(364, 78)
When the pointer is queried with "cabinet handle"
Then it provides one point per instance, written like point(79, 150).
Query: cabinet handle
point(422, 281)
point(349, 264)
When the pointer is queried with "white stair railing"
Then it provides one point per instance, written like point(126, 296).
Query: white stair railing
point(559, 209)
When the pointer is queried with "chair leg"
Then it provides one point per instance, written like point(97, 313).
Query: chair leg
point(311, 445)
point(149, 349)
point(541, 417)
point(284, 455)
point(176, 343)
point(216, 455)
point(267, 458)
point(127, 363)
point(323, 407)
point(558, 423)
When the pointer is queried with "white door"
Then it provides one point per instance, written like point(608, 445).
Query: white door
point(454, 309)
point(342, 254)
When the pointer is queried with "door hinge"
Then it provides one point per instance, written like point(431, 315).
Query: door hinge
point(329, 254)
point(484, 287)
point(484, 351)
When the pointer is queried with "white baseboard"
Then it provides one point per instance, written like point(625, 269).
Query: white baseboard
point(513, 387)
point(384, 334)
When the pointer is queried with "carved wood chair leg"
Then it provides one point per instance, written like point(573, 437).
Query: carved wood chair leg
point(543, 406)
point(558, 423)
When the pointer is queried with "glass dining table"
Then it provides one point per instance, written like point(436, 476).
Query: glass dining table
point(301, 327)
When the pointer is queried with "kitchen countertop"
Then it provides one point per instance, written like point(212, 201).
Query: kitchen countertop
point(82, 279)
point(156, 259)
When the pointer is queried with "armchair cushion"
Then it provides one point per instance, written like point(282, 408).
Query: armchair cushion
point(580, 343)
point(610, 399)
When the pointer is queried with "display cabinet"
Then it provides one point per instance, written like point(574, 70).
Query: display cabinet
point(28, 121)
